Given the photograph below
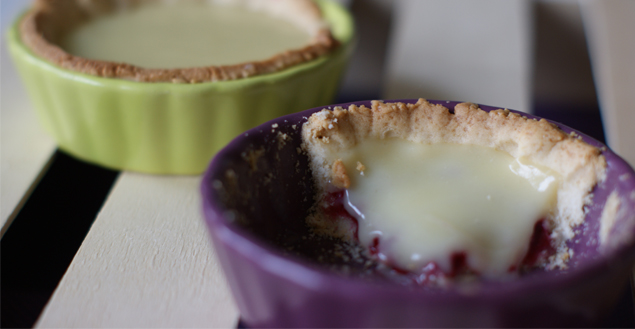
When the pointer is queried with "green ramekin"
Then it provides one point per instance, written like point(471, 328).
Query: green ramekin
point(167, 128)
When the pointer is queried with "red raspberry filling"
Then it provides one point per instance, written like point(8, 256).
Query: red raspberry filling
point(333, 207)
point(540, 248)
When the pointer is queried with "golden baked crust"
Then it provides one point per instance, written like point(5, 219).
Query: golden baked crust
point(49, 20)
point(581, 165)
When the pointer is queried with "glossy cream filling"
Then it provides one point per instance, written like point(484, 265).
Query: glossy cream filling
point(427, 201)
point(184, 34)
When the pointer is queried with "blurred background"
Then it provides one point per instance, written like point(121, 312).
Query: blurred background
point(572, 61)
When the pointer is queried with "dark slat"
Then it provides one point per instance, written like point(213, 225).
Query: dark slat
point(43, 238)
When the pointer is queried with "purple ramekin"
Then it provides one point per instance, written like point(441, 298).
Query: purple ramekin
point(259, 187)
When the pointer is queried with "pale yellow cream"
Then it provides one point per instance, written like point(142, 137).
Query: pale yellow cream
point(425, 202)
point(184, 34)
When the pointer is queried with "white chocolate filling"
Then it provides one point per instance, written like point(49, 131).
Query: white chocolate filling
point(427, 201)
point(185, 34)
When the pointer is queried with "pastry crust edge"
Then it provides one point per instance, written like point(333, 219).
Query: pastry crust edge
point(49, 19)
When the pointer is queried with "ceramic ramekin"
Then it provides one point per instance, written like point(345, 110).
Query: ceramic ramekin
point(247, 211)
point(168, 128)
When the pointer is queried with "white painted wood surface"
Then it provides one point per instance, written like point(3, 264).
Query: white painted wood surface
point(146, 262)
point(610, 29)
point(24, 146)
point(464, 50)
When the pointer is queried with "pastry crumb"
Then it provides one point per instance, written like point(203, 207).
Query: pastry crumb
point(252, 157)
point(340, 177)
point(282, 138)
point(216, 184)
point(360, 167)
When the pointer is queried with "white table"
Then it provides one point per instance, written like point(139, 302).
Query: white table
point(147, 261)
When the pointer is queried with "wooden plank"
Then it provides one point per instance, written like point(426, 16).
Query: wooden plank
point(146, 262)
point(610, 27)
point(24, 147)
point(477, 51)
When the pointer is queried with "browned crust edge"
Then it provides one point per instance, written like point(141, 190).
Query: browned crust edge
point(36, 33)
point(581, 165)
